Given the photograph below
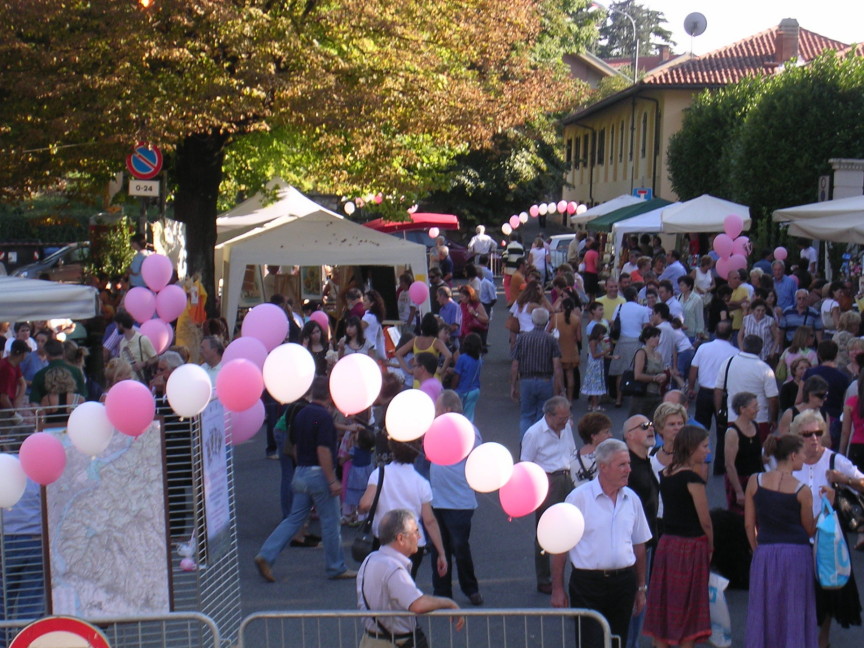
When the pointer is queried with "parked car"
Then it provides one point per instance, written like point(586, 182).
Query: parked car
point(65, 265)
point(558, 248)
point(460, 254)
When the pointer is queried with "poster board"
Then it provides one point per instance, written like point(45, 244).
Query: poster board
point(107, 531)
point(214, 457)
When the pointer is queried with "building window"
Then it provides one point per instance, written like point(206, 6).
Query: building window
point(644, 147)
point(576, 160)
point(601, 147)
point(612, 144)
point(621, 143)
point(586, 149)
point(568, 154)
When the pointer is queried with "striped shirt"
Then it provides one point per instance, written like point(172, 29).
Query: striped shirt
point(535, 352)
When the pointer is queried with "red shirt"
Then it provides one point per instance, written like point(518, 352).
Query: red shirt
point(9, 377)
point(591, 261)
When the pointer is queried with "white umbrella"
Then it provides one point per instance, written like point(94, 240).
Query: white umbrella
point(703, 214)
point(840, 220)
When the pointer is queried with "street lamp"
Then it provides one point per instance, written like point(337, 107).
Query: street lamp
point(635, 36)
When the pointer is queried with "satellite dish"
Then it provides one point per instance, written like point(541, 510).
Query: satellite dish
point(695, 23)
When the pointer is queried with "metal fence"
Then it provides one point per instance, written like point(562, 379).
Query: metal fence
point(491, 628)
point(174, 630)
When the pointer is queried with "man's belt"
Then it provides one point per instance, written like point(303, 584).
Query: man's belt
point(541, 376)
point(605, 573)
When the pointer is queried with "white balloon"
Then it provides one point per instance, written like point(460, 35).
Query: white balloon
point(89, 429)
point(13, 480)
point(189, 390)
point(506, 229)
point(409, 415)
point(543, 208)
point(489, 467)
point(355, 383)
point(560, 528)
point(551, 208)
point(349, 207)
point(582, 208)
point(288, 372)
point(523, 217)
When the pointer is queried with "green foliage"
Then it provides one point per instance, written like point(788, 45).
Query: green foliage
point(47, 218)
point(616, 32)
point(110, 252)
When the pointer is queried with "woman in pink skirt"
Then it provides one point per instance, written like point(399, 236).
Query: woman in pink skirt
point(677, 609)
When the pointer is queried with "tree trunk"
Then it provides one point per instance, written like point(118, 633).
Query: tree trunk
point(198, 174)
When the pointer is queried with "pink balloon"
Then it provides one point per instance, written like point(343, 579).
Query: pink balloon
point(245, 424)
point(514, 222)
point(418, 292)
point(733, 225)
point(780, 253)
point(723, 245)
point(247, 348)
point(239, 384)
point(571, 207)
point(170, 303)
point(268, 323)
point(140, 302)
point(525, 491)
point(156, 271)
point(534, 211)
point(130, 407)
point(449, 439)
point(737, 262)
point(741, 245)
point(159, 333)
point(322, 319)
point(434, 232)
point(355, 383)
point(723, 266)
point(561, 206)
point(42, 457)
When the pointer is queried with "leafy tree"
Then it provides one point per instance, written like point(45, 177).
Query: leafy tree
point(616, 32)
point(363, 93)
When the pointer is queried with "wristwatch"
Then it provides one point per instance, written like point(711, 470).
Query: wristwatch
point(643, 588)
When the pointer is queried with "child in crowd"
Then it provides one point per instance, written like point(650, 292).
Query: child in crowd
point(594, 384)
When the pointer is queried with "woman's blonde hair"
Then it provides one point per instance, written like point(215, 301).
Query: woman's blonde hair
point(117, 370)
point(59, 381)
point(805, 418)
point(665, 410)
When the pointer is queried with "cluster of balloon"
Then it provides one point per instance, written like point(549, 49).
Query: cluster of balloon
point(158, 299)
point(560, 528)
point(732, 248)
point(542, 209)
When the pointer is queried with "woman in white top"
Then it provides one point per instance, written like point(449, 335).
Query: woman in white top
point(405, 488)
point(373, 321)
point(830, 310)
point(842, 604)
point(703, 280)
point(540, 259)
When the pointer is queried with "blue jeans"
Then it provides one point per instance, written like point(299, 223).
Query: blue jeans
point(455, 527)
point(286, 465)
point(533, 392)
point(684, 360)
point(469, 403)
point(310, 486)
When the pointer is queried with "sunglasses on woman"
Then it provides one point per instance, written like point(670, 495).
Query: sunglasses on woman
point(821, 395)
point(817, 433)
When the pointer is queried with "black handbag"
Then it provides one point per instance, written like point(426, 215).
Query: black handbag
point(615, 331)
point(364, 541)
point(849, 505)
point(629, 385)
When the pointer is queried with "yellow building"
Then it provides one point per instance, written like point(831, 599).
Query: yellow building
point(618, 145)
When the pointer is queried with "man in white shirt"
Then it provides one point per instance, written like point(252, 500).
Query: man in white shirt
point(747, 373)
point(549, 443)
point(704, 369)
point(609, 564)
point(22, 332)
point(211, 353)
point(664, 292)
point(481, 242)
point(674, 271)
point(134, 348)
point(808, 255)
point(384, 583)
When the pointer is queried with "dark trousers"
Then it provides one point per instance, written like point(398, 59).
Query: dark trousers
point(705, 413)
point(610, 594)
point(560, 485)
point(273, 410)
point(455, 525)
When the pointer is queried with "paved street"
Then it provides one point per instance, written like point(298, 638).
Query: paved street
point(502, 548)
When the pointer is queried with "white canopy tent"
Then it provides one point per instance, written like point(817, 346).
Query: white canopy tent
point(624, 200)
point(702, 214)
point(32, 299)
point(647, 223)
point(312, 239)
point(841, 220)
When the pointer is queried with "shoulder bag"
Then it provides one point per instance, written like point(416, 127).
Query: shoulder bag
point(849, 505)
point(723, 412)
point(615, 331)
point(830, 552)
point(365, 539)
point(629, 385)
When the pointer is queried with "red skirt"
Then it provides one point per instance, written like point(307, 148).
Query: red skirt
point(677, 609)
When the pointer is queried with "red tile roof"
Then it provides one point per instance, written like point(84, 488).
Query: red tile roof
point(751, 56)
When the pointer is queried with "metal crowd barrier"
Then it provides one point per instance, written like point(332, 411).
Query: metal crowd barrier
point(174, 630)
point(490, 628)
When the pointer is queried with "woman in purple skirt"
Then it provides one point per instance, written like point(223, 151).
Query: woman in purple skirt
point(778, 516)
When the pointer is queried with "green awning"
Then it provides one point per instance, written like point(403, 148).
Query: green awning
point(604, 223)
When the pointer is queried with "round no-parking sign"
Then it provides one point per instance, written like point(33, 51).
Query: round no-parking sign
point(60, 632)
point(145, 162)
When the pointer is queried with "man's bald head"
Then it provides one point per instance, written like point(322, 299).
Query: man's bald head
point(675, 396)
